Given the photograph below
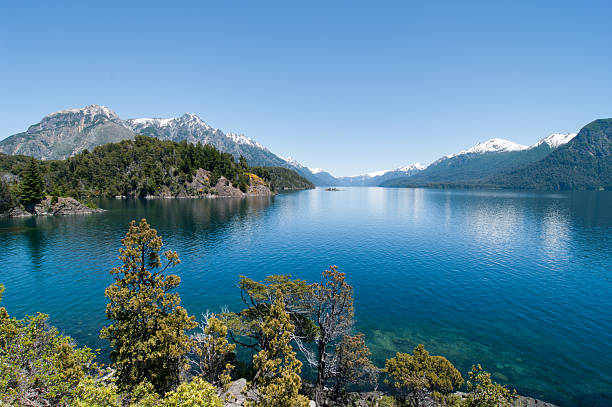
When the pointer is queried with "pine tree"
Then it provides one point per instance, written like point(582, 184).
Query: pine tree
point(148, 330)
point(32, 188)
point(277, 381)
point(214, 354)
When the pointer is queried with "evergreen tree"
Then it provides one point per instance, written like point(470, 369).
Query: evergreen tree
point(277, 380)
point(332, 305)
point(6, 198)
point(214, 354)
point(148, 330)
point(484, 392)
point(422, 379)
point(32, 188)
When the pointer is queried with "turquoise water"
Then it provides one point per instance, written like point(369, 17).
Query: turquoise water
point(519, 282)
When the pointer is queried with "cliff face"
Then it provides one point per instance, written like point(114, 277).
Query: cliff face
point(200, 187)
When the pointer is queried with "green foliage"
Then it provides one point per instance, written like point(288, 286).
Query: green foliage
point(331, 302)
point(214, 354)
point(7, 201)
point(132, 168)
point(583, 163)
point(32, 188)
point(277, 381)
point(354, 365)
point(38, 366)
point(421, 377)
point(387, 401)
point(258, 297)
point(148, 330)
point(483, 392)
point(92, 393)
point(196, 393)
point(281, 178)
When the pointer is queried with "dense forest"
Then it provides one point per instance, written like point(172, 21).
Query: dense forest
point(140, 167)
point(281, 178)
point(583, 163)
point(161, 356)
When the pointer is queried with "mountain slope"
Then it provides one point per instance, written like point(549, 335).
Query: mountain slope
point(476, 165)
point(192, 129)
point(67, 132)
point(585, 162)
point(378, 177)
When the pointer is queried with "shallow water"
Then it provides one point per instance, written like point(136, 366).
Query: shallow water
point(519, 282)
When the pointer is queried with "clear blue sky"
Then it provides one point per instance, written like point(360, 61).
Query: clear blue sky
point(347, 86)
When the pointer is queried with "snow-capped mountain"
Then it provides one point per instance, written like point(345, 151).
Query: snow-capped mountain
point(67, 132)
point(478, 163)
point(193, 129)
point(555, 140)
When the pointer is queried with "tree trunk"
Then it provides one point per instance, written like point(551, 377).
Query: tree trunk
point(320, 384)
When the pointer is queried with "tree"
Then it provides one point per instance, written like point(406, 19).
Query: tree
point(147, 335)
point(353, 363)
point(277, 380)
point(258, 297)
point(6, 197)
point(214, 354)
point(38, 366)
point(332, 312)
point(421, 378)
point(242, 162)
point(32, 188)
point(483, 392)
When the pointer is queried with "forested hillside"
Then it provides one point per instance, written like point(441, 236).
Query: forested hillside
point(135, 168)
point(583, 163)
point(281, 178)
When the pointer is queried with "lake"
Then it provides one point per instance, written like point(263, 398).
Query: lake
point(520, 282)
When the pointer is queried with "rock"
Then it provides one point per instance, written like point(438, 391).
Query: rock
point(224, 188)
point(234, 395)
point(63, 206)
point(311, 403)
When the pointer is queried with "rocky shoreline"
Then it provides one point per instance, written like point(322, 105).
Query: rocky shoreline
point(236, 394)
point(50, 207)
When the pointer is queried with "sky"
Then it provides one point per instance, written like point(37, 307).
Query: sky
point(350, 87)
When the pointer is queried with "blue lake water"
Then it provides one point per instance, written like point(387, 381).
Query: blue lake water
point(520, 282)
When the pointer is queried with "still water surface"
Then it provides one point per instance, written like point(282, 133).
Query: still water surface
point(520, 282)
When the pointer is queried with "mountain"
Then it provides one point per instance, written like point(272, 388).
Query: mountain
point(476, 165)
point(584, 162)
point(67, 132)
point(192, 129)
point(377, 177)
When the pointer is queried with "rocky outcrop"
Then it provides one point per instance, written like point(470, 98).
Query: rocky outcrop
point(50, 206)
point(200, 187)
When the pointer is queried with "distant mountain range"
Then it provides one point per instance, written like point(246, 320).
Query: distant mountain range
point(559, 161)
point(67, 132)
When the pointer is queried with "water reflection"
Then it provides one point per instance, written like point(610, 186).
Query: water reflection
point(520, 282)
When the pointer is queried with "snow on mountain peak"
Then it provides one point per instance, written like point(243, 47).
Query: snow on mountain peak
point(556, 139)
point(316, 170)
point(411, 167)
point(291, 161)
point(242, 139)
point(495, 145)
point(89, 110)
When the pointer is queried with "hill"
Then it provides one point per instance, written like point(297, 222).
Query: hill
point(583, 163)
point(65, 133)
point(142, 167)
